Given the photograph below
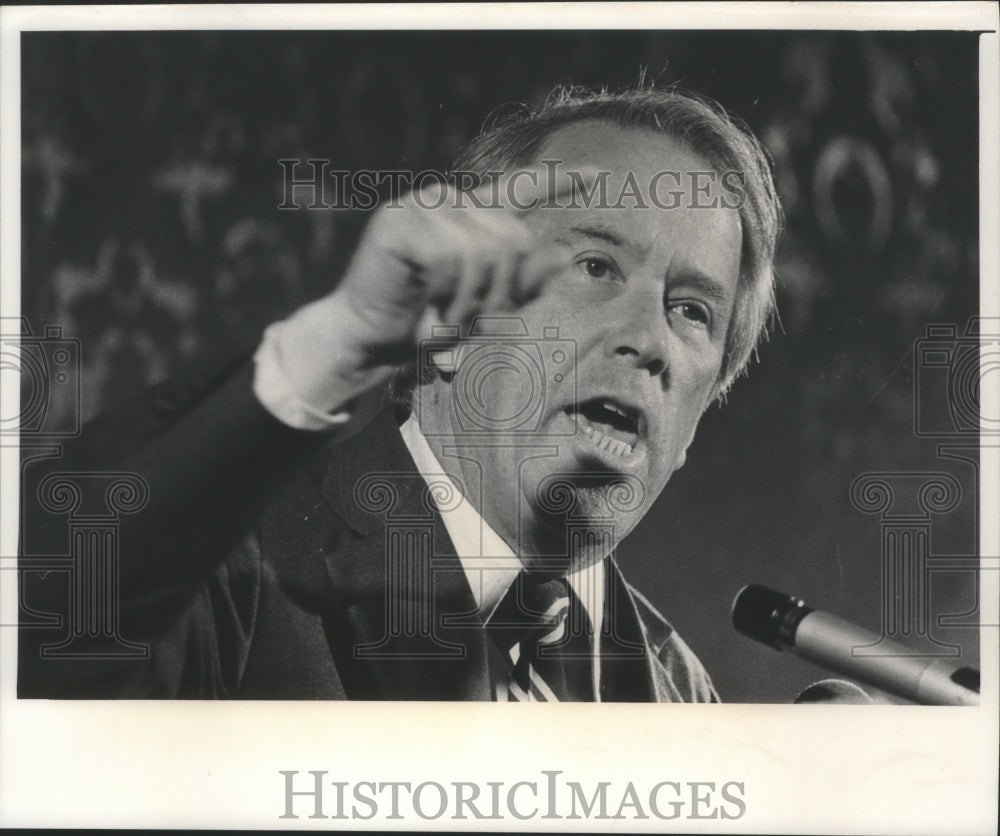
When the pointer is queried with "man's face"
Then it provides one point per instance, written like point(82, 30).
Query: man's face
point(646, 305)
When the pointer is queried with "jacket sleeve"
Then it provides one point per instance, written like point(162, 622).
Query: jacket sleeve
point(156, 599)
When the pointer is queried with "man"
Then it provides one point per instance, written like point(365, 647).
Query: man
point(571, 319)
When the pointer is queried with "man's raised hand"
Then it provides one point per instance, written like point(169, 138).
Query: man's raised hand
point(439, 255)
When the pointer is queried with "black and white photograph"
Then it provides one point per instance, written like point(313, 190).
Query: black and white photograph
point(364, 369)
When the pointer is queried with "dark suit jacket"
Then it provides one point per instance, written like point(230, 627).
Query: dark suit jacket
point(337, 577)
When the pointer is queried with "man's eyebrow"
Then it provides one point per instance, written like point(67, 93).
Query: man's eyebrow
point(696, 280)
point(602, 233)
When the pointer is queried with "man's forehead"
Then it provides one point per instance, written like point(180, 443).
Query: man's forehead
point(627, 227)
point(637, 168)
point(597, 141)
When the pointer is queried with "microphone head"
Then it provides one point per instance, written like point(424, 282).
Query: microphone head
point(768, 616)
point(834, 692)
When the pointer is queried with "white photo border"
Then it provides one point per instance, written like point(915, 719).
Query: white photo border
point(843, 769)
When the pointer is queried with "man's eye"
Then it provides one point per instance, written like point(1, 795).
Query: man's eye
point(693, 312)
point(596, 268)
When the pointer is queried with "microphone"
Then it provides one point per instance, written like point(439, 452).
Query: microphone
point(831, 691)
point(784, 622)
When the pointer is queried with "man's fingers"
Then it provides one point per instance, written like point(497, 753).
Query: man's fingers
point(463, 263)
point(505, 269)
point(434, 279)
point(472, 287)
point(536, 270)
point(430, 196)
point(461, 286)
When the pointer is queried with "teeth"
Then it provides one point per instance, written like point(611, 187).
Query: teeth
point(620, 448)
point(613, 407)
point(605, 442)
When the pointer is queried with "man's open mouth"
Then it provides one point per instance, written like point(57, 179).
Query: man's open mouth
point(611, 425)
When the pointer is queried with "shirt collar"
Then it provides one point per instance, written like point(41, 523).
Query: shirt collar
point(489, 563)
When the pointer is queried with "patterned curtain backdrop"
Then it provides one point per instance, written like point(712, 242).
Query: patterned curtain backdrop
point(151, 233)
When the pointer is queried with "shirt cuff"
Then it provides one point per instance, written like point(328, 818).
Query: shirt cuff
point(271, 387)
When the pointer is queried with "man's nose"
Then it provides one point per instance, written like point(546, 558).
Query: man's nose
point(637, 332)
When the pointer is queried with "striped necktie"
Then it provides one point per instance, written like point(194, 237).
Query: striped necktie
point(544, 638)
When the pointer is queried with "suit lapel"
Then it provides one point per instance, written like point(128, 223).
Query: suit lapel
point(405, 624)
point(628, 664)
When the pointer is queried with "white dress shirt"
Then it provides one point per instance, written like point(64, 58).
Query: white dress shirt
point(489, 563)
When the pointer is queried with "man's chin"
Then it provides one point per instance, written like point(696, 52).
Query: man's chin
point(579, 484)
point(584, 513)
